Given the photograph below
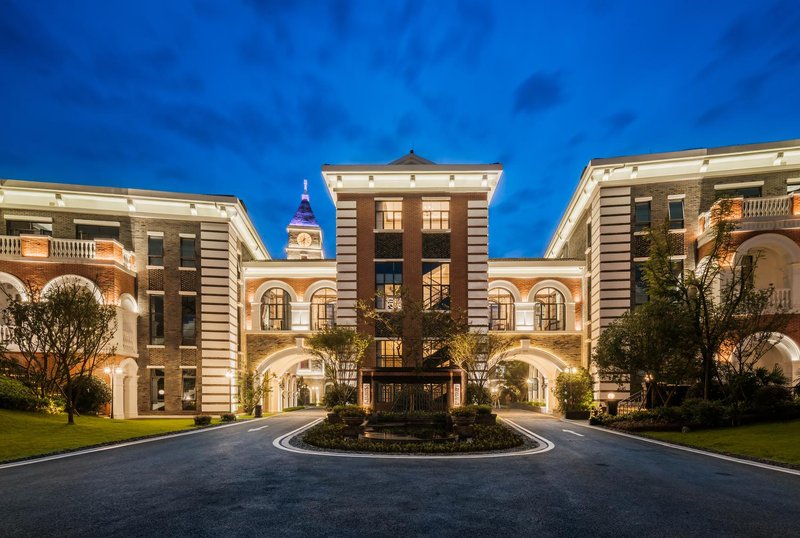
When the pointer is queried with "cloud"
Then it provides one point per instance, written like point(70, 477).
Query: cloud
point(621, 120)
point(539, 92)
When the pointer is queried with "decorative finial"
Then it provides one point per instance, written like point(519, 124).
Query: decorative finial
point(305, 189)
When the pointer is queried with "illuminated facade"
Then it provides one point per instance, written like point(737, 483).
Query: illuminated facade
point(200, 298)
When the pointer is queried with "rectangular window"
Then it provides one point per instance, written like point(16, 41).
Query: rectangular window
point(157, 319)
point(436, 215)
point(188, 320)
point(741, 192)
point(677, 269)
point(188, 257)
point(189, 398)
point(156, 389)
point(95, 231)
point(389, 215)
point(639, 285)
point(436, 285)
point(641, 216)
point(28, 227)
point(389, 353)
point(388, 281)
point(676, 215)
point(155, 250)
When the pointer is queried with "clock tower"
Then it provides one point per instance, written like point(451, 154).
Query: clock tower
point(305, 234)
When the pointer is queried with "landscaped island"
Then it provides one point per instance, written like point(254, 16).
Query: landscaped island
point(464, 429)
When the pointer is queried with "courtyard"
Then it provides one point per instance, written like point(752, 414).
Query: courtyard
point(235, 482)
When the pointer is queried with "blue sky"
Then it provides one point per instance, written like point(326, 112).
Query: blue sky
point(250, 97)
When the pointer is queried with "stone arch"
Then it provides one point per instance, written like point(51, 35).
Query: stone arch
point(14, 282)
point(279, 364)
point(569, 300)
point(127, 302)
point(508, 286)
point(770, 240)
point(785, 353)
point(126, 389)
point(548, 364)
point(316, 286)
point(779, 266)
point(74, 279)
point(262, 289)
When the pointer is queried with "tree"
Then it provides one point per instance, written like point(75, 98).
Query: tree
point(719, 297)
point(514, 378)
point(251, 389)
point(648, 341)
point(425, 333)
point(478, 353)
point(62, 336)
point(573, 390)
point(341, 350)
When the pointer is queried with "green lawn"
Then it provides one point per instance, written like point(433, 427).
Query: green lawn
point(776, 441)
point(28, 434)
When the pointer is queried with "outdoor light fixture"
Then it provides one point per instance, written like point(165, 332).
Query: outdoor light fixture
point(229, 375)
point(611, 395)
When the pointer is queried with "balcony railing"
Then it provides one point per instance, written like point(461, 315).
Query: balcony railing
point(124, 339)
point(9, 246)
point(42, 246)
point(756, 210)
point(781, 298)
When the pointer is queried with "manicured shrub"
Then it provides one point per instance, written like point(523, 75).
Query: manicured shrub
point(463, 411)
point(295, 408)
point(482, 409)
point(202, 420)
point(478, 395)
point(410, 416)
point(703, 413)
point(15, 395)
point(228, 417)
point(488, 437)
point(350, 411)
point(92, 394)
point(341, 395)
point(771, 396)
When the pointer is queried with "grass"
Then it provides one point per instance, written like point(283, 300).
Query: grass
point(775, 441)
point(26, 434)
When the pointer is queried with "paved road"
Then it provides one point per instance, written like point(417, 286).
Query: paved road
point(233, 482)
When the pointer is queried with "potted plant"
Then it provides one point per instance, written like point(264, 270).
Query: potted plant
point(484, 415)
point(463, 415)
point(352, 415)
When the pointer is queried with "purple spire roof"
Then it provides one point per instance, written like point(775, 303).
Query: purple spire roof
point(304, 216)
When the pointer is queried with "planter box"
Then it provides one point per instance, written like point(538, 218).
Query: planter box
point(354, 421)
point(463, 421)
point(333, 418)
point(577, 415)
point(485, 419)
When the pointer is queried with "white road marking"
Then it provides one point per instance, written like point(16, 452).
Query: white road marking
point(120, 445)
point(545, 445)
point(257, 429)
point(696, 450)
point(568, 431)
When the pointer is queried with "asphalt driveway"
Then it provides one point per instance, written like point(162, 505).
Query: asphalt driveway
point(234, 482)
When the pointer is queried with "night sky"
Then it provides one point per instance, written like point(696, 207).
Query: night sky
point(249, 98)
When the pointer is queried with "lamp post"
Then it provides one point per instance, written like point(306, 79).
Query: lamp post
point(108, 370)
point(229, 375)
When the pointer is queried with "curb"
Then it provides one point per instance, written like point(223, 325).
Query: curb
point(545, 445)
point(120, 444)
point(700, 451)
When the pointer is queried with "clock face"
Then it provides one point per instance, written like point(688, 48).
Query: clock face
point(304, 240)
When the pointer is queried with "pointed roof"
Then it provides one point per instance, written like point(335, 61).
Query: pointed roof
point(411, 158)
point(304, 216)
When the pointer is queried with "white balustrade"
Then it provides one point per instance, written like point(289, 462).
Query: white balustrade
point(767, 207)
point(5, 333)
point(72, 248)
point(781, 298)
point(9, 245)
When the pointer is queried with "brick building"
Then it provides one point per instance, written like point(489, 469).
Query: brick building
point(199, 297)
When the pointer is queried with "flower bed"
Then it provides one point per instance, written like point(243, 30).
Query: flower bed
point(485, 438)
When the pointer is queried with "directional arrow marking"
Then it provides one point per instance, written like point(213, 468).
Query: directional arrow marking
point(256, 429)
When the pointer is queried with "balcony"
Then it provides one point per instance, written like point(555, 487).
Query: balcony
point(124, 339)
point(755, 214)
point(50, 248)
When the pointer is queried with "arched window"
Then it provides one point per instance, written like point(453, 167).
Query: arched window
point(323, 309)
point(550, 310)
point(276, 312)
point(501, 310)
